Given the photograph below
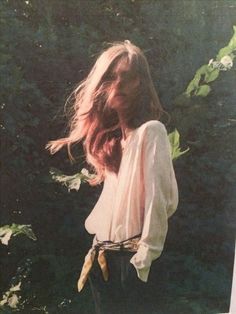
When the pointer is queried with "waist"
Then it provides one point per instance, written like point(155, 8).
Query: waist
point(130, 245)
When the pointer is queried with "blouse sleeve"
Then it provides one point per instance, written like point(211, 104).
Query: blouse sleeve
point(161, 197)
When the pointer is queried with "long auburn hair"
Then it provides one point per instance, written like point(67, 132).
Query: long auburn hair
point(95, 122)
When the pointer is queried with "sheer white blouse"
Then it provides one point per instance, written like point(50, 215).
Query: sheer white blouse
point(140, 198)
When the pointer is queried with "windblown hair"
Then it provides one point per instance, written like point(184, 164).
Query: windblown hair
point(95, 122)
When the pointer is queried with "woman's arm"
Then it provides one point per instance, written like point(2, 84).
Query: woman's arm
point(161, 196)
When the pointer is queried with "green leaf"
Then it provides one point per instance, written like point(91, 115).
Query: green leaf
point(16, 287)
point(174, 142)
point(72, 182)
point(211, 75)
point(203, 91)
point(223, 52)
point(232, 43)
point(202, 70)
point(26, 229)
point(194, 84)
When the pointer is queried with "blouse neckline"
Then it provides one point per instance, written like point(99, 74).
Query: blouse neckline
point(124, 143)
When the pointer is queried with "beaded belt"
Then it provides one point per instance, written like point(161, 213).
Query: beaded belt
point(99, 247)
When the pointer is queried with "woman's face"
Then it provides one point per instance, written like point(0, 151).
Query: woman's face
point(123, 86)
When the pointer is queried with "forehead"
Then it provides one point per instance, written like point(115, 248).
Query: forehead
point(124, 66)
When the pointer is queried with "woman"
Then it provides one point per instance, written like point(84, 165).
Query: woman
point(116, 114)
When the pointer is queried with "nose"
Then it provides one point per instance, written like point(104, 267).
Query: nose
point(119, 84)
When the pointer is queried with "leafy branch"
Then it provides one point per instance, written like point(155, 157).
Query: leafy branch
point(72, 182)
point(8, 231)
point(10, 298)
point(208, 73)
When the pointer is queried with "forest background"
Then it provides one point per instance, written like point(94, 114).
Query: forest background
point(46, 48)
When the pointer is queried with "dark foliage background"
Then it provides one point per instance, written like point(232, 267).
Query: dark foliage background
point(46, 48)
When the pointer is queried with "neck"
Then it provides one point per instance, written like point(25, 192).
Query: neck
point(123, 125)
point(125, 131)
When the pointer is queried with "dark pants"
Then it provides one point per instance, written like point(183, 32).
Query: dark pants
point(124, 292)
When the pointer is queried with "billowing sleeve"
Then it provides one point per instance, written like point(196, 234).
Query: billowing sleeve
point(161, 197)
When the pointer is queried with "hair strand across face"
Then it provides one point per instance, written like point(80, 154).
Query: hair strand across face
point(97, 117)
